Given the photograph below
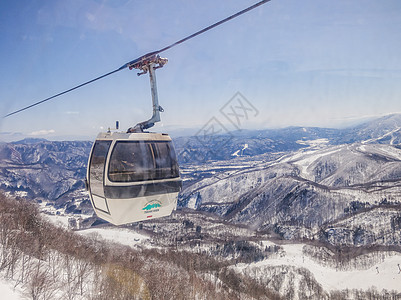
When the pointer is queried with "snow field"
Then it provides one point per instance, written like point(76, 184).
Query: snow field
point(7, 292)
point(118, 235)
point(384, 275)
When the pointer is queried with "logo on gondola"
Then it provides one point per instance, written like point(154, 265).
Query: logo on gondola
point(152, 206)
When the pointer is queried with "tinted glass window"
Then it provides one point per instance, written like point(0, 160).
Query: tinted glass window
point(139, 161)
point(131, 161)
point(165, 158)
point(96, 169)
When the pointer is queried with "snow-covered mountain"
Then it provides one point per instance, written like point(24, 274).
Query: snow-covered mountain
point(384, 130)
point(203, 147)
point(285, 180)
point(303, 211)
point(44, 170)
point(305, 190)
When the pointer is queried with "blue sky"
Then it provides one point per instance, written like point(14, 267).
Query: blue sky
point(307, 63)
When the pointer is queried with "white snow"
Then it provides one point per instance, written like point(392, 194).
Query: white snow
point(383, 136)
point(7, 292)
point(384, 275)
point(236, 153)
point(304, 159)
point(192, 201)
point(21, 194)
point(119, 235)
point(314, 143)
point(386, 150)
point(59, 220)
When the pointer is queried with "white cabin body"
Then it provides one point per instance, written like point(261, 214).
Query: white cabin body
point(133, 176)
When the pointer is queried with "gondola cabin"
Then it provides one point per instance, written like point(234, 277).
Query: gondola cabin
point(133, 176)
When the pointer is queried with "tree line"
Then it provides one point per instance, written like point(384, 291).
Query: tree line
point(48, 262)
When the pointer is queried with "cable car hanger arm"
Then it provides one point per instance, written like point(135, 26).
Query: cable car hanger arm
point(150, 64)
point(131, 64)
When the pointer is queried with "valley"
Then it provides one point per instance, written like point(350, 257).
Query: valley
point(305, 212)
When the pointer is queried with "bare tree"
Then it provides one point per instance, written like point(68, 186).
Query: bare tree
point(40, 285)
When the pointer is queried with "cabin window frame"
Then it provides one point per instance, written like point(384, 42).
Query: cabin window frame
point(96, 184)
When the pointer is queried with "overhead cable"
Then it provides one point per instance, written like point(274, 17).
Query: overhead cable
point(144, 57)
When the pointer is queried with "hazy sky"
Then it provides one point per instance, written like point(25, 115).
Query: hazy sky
point(308, 63)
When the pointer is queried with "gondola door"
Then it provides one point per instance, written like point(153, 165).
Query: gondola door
point(96, 175)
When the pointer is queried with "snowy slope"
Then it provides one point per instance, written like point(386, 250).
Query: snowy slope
point(7, 292)
point(302, 194)
point(382, 275)
point(118, 235)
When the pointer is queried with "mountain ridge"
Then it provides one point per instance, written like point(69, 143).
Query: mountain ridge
point(285, 180)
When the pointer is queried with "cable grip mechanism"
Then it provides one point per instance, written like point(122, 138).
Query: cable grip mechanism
point(144, 63)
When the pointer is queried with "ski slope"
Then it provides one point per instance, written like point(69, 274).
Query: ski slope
point(384, 275)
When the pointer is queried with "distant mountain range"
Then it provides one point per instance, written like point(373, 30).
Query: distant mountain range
point(288, 181)
point(203, 147)
point(44, 170)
